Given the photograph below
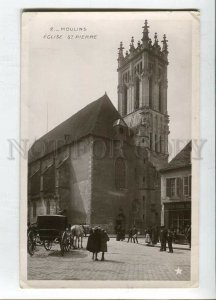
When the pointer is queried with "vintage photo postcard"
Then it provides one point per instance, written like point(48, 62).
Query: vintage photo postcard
point(110, 125)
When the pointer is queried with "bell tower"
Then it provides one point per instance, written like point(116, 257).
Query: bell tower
point(142, 94)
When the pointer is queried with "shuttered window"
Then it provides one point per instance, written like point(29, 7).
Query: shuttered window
point(170, 187)
point(179, 187)
point(187, 186)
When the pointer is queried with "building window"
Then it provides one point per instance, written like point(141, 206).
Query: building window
point(150, 92)
point(160, 98)
point(161, 150)
point(125, 100)
point(120, 173)
point(170, 187)
point(137, 96)
point(48, 207)
point(190, 185)
point(187, 186)
point(179, 187)
point(34, 208)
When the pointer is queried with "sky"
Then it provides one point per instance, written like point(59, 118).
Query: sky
point(61, 76)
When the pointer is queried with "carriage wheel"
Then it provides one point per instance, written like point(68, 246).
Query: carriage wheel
point(47, 245)
point(31, 243)
point(63, 243)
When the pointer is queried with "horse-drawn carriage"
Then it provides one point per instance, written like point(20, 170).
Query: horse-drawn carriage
point(49, 229)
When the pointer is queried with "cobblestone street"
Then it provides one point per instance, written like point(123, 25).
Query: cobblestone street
point(124, 261)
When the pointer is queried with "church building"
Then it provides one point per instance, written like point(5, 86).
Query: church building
point(101, 166)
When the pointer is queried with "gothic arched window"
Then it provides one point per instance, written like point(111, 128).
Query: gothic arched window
point(161, 150)
point(120, 173)
point(150, 92)
point(125, 100)
point(160, 98)
point(137, 95)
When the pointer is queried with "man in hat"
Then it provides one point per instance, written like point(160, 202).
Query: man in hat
point(163, 238)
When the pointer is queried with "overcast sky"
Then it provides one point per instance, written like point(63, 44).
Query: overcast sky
point(65, 75)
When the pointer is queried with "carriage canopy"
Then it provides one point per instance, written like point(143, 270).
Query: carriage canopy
point(56, 222)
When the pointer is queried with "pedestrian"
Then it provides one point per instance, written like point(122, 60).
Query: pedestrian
point(188, 235)
point(170, 240)
point(90, 243)
point(154, 236)
point(163, 238)
point(97, 238)
point(147, 237)
point(118, 232)
point(93, 243)
point(134, 234)
point(103, 242)
point(130, 235)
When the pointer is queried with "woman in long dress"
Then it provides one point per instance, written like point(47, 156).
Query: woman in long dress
point(103, 242)
point(93, 243)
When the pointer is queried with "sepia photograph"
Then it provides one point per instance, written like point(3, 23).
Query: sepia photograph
point(109, 110)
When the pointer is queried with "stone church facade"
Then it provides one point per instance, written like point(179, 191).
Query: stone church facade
point(101, 166)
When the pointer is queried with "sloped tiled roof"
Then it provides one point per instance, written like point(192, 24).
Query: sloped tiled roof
point(96, 118)
point(181, 160)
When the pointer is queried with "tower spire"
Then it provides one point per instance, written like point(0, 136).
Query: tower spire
point(121, 48)
point(156, 45)
point(165, 45)
point(120, 53)
point(155, 39)
point(132, 44)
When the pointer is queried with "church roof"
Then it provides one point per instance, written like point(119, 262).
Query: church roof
point(96, 119)
point(181, 160)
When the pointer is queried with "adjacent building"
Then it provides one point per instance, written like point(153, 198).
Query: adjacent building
point(176, 191)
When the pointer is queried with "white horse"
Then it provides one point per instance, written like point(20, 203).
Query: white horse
point(77, 234)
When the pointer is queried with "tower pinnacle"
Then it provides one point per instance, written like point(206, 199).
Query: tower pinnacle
point(121, 48)
point(120, 53)
point(132, 48)
point(155, 39)
point(165, 45)
point(145, 37)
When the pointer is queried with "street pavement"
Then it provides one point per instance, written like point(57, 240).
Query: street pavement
point(123, 261)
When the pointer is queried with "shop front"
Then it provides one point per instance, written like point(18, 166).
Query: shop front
point(177, 215)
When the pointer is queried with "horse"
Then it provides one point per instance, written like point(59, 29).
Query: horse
point(86, 229)
point(77, 234)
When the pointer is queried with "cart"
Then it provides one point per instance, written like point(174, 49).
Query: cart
point(49, 229)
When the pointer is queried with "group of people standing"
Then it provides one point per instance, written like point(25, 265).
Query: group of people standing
point(132, 235)
point(97, 242)
point(166, 236)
